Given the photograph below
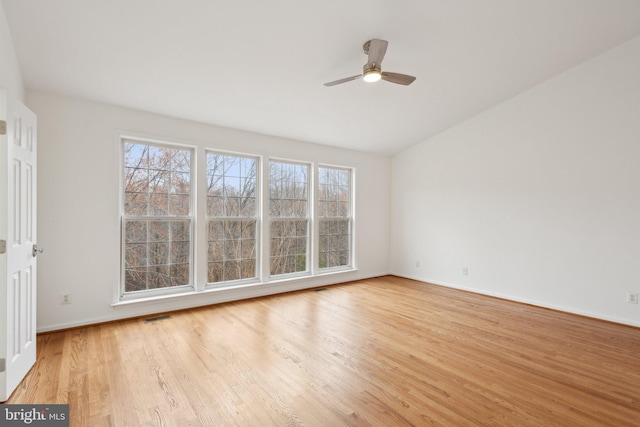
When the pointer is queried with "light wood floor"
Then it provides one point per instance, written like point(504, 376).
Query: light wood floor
point(386, 351)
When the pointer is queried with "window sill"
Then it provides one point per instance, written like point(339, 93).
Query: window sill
point(245, 290)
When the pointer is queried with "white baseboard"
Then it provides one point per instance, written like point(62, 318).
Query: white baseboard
point(176, 302)
point(522, 300)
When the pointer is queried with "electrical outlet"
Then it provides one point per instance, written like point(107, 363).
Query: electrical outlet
point(66, 299)
point(465, 271)
point(632, 297)
point(417, 263)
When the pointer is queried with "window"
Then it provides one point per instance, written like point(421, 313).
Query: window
point(232, 217)
point(257, 221)
point(156, 217)
point(335, 222)
point(289, 215)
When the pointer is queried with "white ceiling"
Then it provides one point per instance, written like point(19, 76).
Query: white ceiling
point(260, 65)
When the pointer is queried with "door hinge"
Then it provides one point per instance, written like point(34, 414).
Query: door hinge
point(3, 365)
point(3, 246)
point(3, 127)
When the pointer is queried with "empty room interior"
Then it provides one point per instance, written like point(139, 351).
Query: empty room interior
point(321, 213)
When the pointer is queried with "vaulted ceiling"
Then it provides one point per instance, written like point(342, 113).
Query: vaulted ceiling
point(260, 65)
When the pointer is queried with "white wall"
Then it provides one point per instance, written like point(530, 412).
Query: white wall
point(10, 77)
point(539, 197)
point(78, 205)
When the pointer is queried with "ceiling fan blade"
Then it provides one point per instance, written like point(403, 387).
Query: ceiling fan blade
point(401, 79)
point(377, 49)
point(347, 79)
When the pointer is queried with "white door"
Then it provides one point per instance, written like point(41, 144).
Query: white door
point(17, 243)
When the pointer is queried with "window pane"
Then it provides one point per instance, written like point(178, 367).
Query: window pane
point(158, 204)
point(136, 180)
point(248, 207)
point(248, 250)
point(216, 230)
point(214, 185)
point(159, 253)
point(179, 204)
point(343, 209)
point(248, 269)
point(135, 255)
point(300, 208)
point(215, 206)
point(136, 155)
point(158, 277)
point(179, 252)
point(159, 158)
point(231, 270)
point(248, 229)
point(135, 279)
point(232, 250)
point(180, 183)
point(179, 274)
point(323, 260)
point(216, 251)
point(232, 206)
point(159, 181)
point(215, 272)
point(135, 231)
point(136, 203)
point(158, 231)
point(233, 229)
point(181, 161)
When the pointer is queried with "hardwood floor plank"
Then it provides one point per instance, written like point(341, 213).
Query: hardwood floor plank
point(386, 351)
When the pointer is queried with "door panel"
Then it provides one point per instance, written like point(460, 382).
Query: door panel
point(18, 227)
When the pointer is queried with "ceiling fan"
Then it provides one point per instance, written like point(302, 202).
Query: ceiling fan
point(372, 71)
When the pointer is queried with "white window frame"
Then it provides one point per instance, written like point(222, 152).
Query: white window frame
point(256, 218)
point(147, 293)
point(349, 218)
point(309, 269)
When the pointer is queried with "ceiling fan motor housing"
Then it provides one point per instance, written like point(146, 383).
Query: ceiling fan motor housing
point(371, 68)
